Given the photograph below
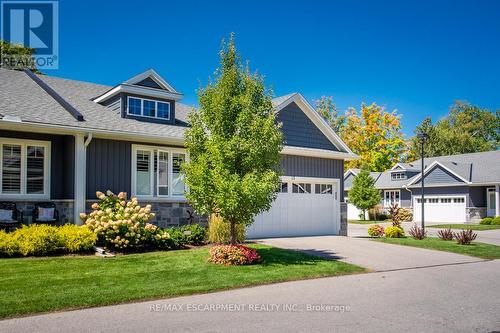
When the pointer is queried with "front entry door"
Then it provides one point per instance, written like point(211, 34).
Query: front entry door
point(491, 204)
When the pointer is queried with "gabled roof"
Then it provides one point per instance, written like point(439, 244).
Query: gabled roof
point(481, 168)
point(131, 86)
point(281, 102)
point(22, 98)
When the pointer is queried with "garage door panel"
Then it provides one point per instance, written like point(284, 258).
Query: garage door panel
point(298, 214)
point(448, 209)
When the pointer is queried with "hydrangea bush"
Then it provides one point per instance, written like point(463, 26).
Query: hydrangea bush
point(123, 224)
point(233, 255)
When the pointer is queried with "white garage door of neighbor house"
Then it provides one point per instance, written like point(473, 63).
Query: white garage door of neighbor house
point(304, 207)
point(449, 209)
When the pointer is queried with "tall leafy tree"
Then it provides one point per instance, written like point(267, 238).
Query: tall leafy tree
point(328, 110)
point(466, 129)
point(234, 145)
point(375, 135)
point(363, 193)
point(19, 57)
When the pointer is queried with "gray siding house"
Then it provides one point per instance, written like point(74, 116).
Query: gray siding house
point(62, 140)
point(458, 188)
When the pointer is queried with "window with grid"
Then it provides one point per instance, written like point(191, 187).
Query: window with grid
point(23, 167)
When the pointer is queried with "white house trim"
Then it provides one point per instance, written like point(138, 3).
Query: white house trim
point(317, 120)
point(432, 166)
point(313, 152)
point(80, 176)
point(138, 90)
point(153, 75)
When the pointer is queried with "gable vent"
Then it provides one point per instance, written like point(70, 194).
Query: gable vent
point(52, 93)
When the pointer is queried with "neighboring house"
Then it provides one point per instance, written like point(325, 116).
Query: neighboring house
point(458, 188)
point(63, 140)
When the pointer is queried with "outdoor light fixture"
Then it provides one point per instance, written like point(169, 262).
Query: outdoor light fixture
point(422, 137)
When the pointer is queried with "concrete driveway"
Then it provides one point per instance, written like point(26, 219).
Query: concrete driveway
point(486, 236)
point(449, 298)
point(368, 253)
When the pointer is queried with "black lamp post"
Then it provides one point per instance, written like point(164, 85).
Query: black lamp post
point(422, 137)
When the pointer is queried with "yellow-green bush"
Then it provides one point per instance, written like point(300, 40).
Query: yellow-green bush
point(394, 232)
point(40, 240)
point(219, 231)
point(76, 239)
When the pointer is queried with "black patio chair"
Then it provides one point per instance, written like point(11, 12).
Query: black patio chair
point(12, 220)
point(47, 217)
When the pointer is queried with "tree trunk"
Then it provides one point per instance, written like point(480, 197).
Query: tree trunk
point(233, 232)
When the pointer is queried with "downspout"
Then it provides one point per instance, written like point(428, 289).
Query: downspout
point(88, 140)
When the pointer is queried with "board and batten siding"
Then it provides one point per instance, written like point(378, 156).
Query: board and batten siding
point(305, 166)
point(440, 176)
point(109, 166)
point(300, 131)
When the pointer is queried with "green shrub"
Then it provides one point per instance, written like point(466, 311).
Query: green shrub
point(496, 221)
point(376, 231)
point(486, 221)
point(394, 232)
point(194, 234)
point(218, 231)
point(76, 238)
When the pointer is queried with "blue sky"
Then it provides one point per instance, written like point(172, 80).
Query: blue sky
point(413, 56)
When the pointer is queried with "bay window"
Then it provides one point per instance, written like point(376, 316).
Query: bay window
point(156, 172)
point(392, 197)
point(24, 168)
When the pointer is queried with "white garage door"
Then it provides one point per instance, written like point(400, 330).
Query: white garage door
point(447, 209)
point(304, 207)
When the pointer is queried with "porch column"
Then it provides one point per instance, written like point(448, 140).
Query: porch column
point(80, 176)
point(497, 200)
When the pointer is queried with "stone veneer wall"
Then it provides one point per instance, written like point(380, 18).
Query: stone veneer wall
point(169, 214)
point(64, 207)
point(343, 219)
point(475, 214)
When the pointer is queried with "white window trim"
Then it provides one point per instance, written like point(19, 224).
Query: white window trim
point(152, 149)
point(46, 169)
point(142, 108)
point(398, 202)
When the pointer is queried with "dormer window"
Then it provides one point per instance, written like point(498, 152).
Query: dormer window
point(398, 175)
point(148, 108)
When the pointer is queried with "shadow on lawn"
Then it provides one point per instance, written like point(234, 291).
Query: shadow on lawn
point(271, 256)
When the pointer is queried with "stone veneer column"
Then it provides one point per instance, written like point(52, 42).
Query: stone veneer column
point(343, 219)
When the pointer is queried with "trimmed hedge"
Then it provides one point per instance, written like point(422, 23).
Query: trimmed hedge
point(486, 221)
point(42, 240)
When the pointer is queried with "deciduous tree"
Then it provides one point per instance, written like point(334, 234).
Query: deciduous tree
point(327, 109)
point(375, 135)
point(363, 193)
point(234, 145)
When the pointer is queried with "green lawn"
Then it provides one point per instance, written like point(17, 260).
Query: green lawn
point(465, 226)
point(366, 222)
point(481, 250)
point(29, 285)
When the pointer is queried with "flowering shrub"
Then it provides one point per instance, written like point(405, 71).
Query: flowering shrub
point(233, 255)
point(123, 224)
point(376, 231)
point(394, 232)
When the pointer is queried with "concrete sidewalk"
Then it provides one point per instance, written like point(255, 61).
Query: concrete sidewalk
point(450, 298)
point(368, 253)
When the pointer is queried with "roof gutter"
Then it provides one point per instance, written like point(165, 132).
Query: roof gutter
point(52, 93)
